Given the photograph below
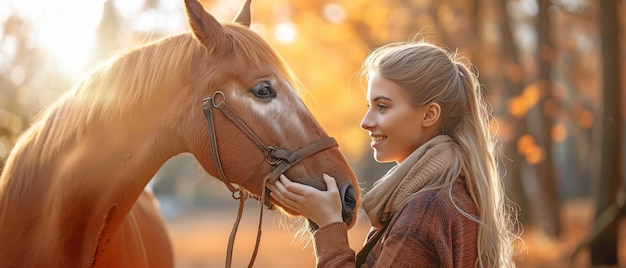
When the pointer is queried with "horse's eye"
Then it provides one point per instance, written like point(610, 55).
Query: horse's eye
point(263, 90)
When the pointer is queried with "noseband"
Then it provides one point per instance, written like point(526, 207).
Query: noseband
point(280, 160)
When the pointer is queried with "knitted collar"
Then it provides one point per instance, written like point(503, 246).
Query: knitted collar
point(440, 156)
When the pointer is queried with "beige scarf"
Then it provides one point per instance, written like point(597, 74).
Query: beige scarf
point(438, 157)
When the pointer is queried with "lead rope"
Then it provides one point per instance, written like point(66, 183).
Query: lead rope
point(231, 240)
point(258, 234)
point(233, 233)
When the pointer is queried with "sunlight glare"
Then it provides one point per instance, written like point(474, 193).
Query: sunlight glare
point(285, 32)
point(64, 29)
point(8, 48)
point(334, 13)
point(151, 20)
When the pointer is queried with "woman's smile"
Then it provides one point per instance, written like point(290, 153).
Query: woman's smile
point(377, 140)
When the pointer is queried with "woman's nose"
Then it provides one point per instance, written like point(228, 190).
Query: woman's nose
point(367, 123)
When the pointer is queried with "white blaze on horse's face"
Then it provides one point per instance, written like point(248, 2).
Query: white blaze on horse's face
point(279, 112)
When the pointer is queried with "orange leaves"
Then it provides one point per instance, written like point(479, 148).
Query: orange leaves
point(518, 106)
point(528, 148)
point(532, 152)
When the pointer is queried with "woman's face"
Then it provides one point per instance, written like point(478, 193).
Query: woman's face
point(394, 124)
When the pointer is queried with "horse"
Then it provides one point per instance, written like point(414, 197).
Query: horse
point(72, 192)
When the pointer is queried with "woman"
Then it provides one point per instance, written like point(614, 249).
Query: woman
point(443, 204)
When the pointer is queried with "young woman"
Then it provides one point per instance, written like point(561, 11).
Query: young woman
point(443, 204)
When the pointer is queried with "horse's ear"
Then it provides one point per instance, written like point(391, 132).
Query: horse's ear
point(204, 26)
point(243, 16)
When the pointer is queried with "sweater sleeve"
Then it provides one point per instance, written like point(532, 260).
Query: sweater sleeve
point(332, 249)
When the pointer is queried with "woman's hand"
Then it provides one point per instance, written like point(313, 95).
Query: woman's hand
point(322, 207)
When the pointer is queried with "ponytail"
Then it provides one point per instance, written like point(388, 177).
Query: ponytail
point(474, 135)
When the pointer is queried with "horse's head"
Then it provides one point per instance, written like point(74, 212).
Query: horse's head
point(241, 77)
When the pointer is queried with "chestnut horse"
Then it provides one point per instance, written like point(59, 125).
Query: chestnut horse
point(72, 190)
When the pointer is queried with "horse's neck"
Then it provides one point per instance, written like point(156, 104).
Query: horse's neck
point(109, 166)
point(94, 178)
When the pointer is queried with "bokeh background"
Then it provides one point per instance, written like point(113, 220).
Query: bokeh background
point(553, 72)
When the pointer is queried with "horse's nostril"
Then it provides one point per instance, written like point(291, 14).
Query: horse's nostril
point(348, 199)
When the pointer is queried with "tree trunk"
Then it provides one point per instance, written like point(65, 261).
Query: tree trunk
point(512, 87)
point(604, 249)
point(543, 112)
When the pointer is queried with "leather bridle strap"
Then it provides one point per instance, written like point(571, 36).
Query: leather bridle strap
point(207, 105)
point(280, 159)
point(291, 158)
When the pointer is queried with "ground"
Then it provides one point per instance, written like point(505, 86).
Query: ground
point(201, 239)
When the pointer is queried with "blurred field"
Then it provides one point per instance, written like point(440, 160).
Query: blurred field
point(200, 240)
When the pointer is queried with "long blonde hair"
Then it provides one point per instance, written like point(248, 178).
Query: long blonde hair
point(433, 74)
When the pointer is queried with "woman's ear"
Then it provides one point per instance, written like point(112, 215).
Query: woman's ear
point(432, 113)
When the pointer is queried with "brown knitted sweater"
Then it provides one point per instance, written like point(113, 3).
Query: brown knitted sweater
point(427, 231)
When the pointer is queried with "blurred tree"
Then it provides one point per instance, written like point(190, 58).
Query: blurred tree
point(604, 247)
point(107, 33)
point(577, 89)
point(512, 122)
point(17, 60)
point(543, 112)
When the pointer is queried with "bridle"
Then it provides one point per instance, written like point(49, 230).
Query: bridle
point(280, 160)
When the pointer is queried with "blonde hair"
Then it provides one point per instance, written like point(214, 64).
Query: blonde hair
point(433, 74)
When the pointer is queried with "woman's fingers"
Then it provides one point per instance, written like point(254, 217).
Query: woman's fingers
point(278, 192)
point(331, 185)
point(294, 187)
point(289, 189)
point(286, 192)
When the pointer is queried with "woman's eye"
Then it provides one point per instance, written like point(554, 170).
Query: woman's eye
point(263, 90)
point(381, 107)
